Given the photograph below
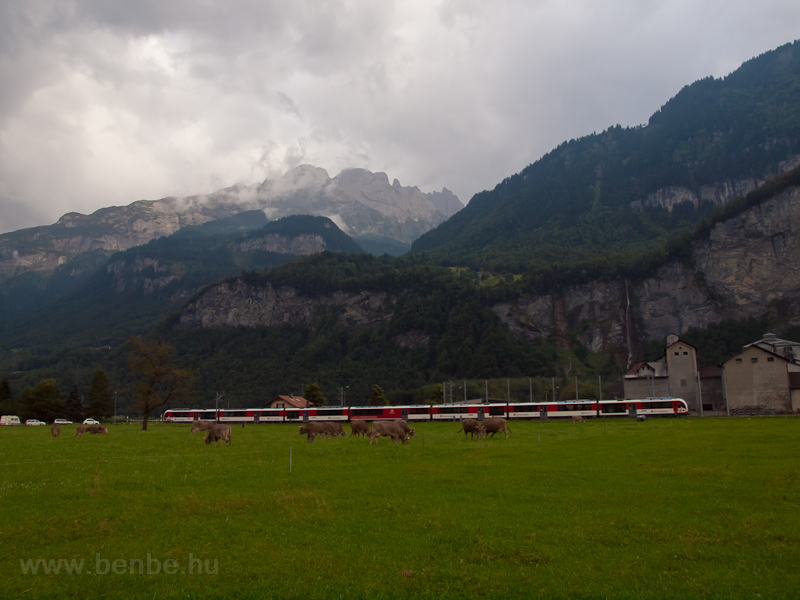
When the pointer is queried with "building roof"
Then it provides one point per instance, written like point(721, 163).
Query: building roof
point(296, 401)
point(656, 368)
point(784, 348)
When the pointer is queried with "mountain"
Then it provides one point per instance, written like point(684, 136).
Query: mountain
point(362, 204)
point(40, 264)
point(136, 289)
point(626, 191)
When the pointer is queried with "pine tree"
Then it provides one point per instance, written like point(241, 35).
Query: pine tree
point(74, 405)
point(99, 399)
point(8, 405)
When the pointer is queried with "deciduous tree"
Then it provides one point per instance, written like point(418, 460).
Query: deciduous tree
point(157, 379)
point(314, 395)
point(377, 398)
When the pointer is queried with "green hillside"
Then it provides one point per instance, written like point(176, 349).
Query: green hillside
point(574, 204)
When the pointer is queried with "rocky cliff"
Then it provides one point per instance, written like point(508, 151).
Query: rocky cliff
point(747, 267)
point(236, 303)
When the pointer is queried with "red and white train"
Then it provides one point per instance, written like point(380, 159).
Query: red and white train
point(444, 412)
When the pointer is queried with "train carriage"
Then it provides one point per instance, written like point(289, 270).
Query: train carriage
point(444, 412)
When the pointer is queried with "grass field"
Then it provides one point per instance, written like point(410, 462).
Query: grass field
point(610, 509)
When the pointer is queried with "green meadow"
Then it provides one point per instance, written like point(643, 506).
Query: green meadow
point(668, 508)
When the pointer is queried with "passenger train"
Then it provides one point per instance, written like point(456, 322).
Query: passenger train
point(443, 412)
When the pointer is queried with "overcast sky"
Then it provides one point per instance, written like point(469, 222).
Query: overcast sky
point(104, 102)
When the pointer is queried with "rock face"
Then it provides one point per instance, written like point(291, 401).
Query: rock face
point(749, 266)
point(236, 303)
point(361, 203)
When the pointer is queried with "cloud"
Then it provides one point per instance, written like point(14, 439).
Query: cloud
point(105, 102)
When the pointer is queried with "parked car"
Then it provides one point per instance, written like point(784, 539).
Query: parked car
point(10, 420)
point(62, 422)
point(91, 421)
point(34, 422)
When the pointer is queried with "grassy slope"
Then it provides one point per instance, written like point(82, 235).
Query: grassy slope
point(613, 508)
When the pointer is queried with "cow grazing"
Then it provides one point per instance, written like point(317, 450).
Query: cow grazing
point(200, 426)
point(410, 432)
point(641, 418)
point(219, 432)
point(359, 428)
point(494, 425)
point(469, 426)
point(314, 429)
point(55, 430)
point(334, 429)
point(98, 429)
point(81, 431)
point(578, 420)
point(390, 429)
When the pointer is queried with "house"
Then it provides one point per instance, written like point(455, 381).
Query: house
point(764, 378)
point(674, 375)
point(289, 402)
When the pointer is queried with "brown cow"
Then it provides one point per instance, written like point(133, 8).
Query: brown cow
point(578, 420)
point(55, 430)
point(359, 428)
point(219, 432)
point(390, 429)
point(314, 429)
point(334, 429)
point(410, 432)
point(98, 429)
point(81, 431)
point(493, 425)
point(200, 426)
point(469, 426)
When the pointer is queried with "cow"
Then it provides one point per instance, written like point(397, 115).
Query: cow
point(98, 429)
point(314, 429)
point(578, 420)
point(334, 429)
point(81, 431)
point(390, 429)
point(55, 430)
point(493, 425)
point(200, 426)
point(640, 418)
point(359, 428)
point(219, 432)
point(410, 431)
point(469, 426)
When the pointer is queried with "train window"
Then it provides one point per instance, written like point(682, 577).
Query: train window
point(423, 410)
point(292, 414)
point(619, 407)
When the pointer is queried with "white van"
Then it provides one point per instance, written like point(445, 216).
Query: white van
point(10, 420)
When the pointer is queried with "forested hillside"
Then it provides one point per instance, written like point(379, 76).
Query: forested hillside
point(617, 194)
